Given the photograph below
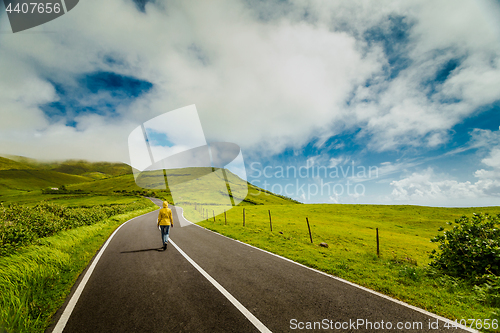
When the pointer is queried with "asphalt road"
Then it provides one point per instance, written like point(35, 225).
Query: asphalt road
point(204, 282)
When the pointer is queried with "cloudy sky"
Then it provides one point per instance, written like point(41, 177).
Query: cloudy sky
point(404, 93)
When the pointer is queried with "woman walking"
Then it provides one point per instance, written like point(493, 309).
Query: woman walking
point(164, 222)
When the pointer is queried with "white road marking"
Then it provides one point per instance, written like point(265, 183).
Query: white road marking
point(63, 320)
point(430, 314)
point(256, 322)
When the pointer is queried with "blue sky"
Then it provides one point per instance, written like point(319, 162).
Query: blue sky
point(408, 88)
point(93, 93)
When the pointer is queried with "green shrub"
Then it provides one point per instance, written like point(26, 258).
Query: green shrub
point(471, 249)
point(489, 292)
point(410, 273)
point(21, 225)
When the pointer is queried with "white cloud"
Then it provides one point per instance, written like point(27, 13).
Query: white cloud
point(264, 85)
point(480, 139)
point(425, 186)
point(428, 187)
point(335, 161)
point(494, 159)
point(387, 169)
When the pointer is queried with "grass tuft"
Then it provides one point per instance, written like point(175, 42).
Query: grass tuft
point(35, 281)
point(401, 271)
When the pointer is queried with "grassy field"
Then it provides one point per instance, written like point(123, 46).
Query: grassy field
point(8, 164)
point(71, 200)
point(74, 167)
point(187, 181)
point(36, 280)
point(350, 232)
point(29, 180)
point(22, 179)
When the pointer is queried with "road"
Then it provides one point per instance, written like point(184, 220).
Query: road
point(205, 282)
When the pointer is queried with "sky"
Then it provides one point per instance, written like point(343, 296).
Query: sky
point(382, 102)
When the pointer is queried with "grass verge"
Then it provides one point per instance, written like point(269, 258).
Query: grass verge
point(401, 271)
point(35, 281)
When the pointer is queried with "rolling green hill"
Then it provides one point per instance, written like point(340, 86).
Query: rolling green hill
point(84, 167)
point(401, 270)
point(8, 164)
point(108, 185)
point(182, 178)
point(29, 180)
point(21, 180)
point(96, 175)
point(21, 159)
point(73, 167)
point(19, 175)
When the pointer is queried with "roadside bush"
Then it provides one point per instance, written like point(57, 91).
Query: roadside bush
point(407, 273)
point(471, 249)
point(489, 292)
point(21, 225)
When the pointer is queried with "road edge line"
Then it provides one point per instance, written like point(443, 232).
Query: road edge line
point(433, 315)
point(68, 310)
point(254, 320)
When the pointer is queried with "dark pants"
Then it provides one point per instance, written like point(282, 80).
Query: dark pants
point(165, 229)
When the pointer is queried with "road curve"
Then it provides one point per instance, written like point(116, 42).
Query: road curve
point(137, 287)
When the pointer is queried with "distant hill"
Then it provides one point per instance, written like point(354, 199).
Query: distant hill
point(96, 175)
point(8, 164)
point(21, 159)
point(19, 174)
point(29, 180)
point(73, 167)
point(182, 179)
point(84, 167)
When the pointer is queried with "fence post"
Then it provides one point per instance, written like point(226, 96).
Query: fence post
point(225, 218)
point(243, 216)
point(213, 212)
point(378, 245)
point(308, 227)
point(270, 222)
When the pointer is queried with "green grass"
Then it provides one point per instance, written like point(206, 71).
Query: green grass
point(35, 281)
point(85, 167)
point(7, 164)
point(96, 175)
point(123, 182)
point(185, 180)
point(75, 167)
point(71, 200)
point(93, 200)
point(349, 230)
point(29, 180)
point(110, 178)
point(21, 159)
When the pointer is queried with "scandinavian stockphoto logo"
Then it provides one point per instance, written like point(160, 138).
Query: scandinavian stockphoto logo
point(170, 152)
point(26, 14)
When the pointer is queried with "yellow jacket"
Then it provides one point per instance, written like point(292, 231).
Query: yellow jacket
point(165, 215)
